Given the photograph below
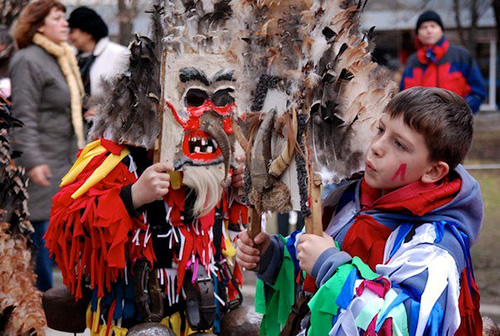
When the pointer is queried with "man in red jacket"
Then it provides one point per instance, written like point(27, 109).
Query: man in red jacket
point(437, 63)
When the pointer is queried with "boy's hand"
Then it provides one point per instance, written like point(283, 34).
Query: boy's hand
point(152, 185)
point(248, 251)
point(310, 248)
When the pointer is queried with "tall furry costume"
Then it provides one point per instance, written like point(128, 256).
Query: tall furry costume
point(169, 261)
point(20, 302)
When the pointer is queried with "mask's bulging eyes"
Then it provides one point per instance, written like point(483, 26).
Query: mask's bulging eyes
point(195, 97)
point(223, 97)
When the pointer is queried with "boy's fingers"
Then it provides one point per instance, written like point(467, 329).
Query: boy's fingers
point(303, 238)
point(248, 258)
point(245, 238)
point(248, 266)
point(260, 238)
point(249, 250)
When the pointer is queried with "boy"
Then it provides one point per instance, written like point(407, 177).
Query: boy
point(411, 219)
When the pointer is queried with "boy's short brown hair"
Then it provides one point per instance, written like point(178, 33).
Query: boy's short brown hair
point(441, 116)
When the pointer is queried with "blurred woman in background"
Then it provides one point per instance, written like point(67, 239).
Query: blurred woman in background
point(47, 96)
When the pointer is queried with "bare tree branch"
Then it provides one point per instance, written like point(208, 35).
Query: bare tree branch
point(458, 21)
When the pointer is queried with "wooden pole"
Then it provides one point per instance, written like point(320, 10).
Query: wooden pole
point(254, 223)
point(313, 223)
point(161, 109)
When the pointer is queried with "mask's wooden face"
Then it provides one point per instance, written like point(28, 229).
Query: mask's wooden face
point(200, 104)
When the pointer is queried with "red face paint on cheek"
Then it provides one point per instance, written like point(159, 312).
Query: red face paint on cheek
point(400, 172)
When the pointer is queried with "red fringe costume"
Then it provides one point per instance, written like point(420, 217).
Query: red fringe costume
point(93, 236)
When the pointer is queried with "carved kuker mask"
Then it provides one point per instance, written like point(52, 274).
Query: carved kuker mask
point(200, 105)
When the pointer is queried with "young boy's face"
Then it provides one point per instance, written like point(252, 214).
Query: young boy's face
point(397, 156)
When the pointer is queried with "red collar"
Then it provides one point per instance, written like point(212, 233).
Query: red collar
point(418, 198)
point(434, 53)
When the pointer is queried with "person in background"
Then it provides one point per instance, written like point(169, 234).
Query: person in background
point(438, 63)
point(6, 51)
point(47, 97)
point(98, 58)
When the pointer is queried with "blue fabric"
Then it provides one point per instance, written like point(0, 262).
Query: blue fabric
point(120, 295)
point(129, 309)
point(44, 263)
point(404, 229)
point(290, 245)
point(402, 296)
point(218, 314)
point(415, 311)
point(462, 238)
point(93, 301)
point(435, 322)
point(346, 294)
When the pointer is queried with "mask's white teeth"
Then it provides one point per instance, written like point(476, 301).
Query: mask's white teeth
point(197, 149)
point(210, 149)
point(203, 142)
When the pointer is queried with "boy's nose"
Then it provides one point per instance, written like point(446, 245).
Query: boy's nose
point(376, 148)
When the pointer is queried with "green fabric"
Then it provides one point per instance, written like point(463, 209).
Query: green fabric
point(280, 297)
point(398, 315)
point(369, 311)
point(323, 304)
point(365, 270)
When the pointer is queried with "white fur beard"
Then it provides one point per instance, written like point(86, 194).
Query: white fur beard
point(208, 182)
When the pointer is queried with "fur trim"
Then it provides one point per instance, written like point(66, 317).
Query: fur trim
point(69, 67)
point(208, 184)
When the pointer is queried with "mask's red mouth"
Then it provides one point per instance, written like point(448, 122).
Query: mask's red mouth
point(199, 145)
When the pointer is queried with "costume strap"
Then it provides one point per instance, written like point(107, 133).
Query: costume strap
point(86, 155)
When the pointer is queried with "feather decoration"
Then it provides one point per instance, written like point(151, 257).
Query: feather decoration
point(130, 113)
point(316, 50)
point(20, 302)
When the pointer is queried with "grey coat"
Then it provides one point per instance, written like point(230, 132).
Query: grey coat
point(41, 100)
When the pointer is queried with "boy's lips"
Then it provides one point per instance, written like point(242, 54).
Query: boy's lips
point(369, 166)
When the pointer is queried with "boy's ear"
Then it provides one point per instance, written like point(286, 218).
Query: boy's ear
point(435, 172)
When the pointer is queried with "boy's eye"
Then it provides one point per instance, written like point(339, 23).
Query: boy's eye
point(380, 130)
point(399, 144)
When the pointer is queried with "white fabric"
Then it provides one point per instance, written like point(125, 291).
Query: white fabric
point(346, 324)
point(5, 87)
point(413, 258)
point(341, 219)
point(111, 60)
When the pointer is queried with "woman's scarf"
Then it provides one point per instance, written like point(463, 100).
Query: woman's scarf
point(69, 67)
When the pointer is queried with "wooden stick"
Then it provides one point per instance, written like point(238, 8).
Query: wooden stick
point(161, 108)
point(254, 223)
point(316, 226)
point(313, 223)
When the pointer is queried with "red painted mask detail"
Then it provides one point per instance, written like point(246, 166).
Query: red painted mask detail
point(197, 111)
point(228, 126)
point(201, 136)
